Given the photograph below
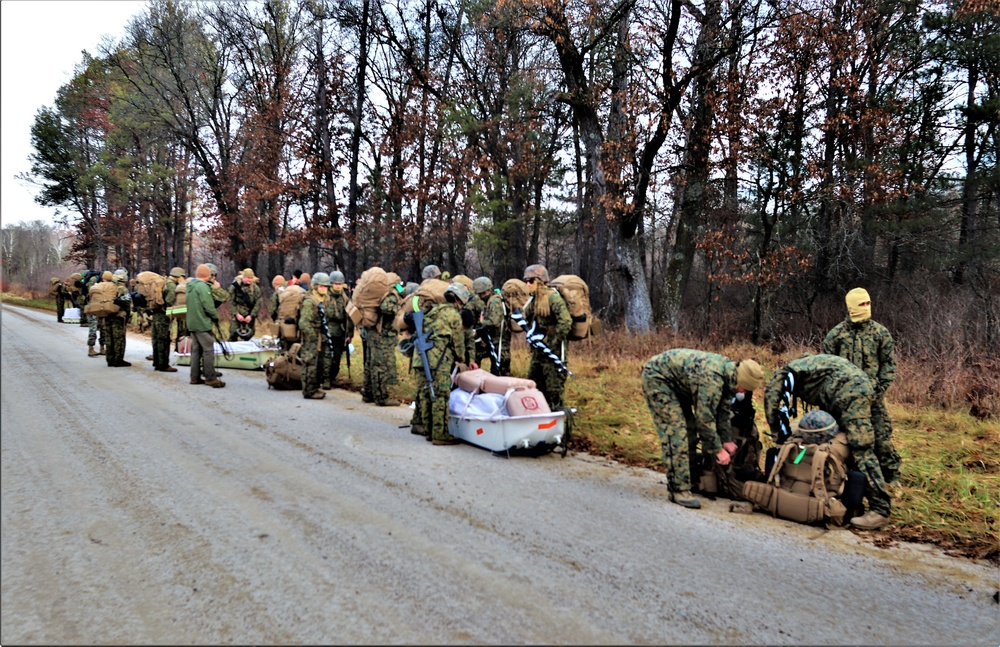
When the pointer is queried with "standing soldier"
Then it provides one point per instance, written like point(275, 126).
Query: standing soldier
point(869, 345)
point(245, 296)
point(177, 276)
point(548, 313)
point(313, 331)
point(443, 327)
point(58, 290)
point(380, 367)
point(688, 393)
point(340, 327)
point(114, 325)
point(278, 285)
point(73, 292)
point(494, 331)
point(840, 388)
point(96, 324)
point(160, 329)
point(219, 295)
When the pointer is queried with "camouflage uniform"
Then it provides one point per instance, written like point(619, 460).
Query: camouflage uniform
point(869, 345)
point(840, 388)
point(246, 300)
point(114, 326)
point(60, 295)
point(443, 326)
point(93, 323)
point(550, 380)
point(341, 331)
point(311, 326)
point(688, 393)
point(169, 299)
point(380, 367)
point(475, 306)
point(495, 325)
point(161, 331)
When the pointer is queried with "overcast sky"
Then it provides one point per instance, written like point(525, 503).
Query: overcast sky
point(41, 43)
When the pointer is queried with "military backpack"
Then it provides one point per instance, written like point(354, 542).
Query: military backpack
point(372, 287)
point(101, 300)
point(150, 285)
point(179, 309)
point(289, 306)
point(576, 294)
point(429, 294)
point(284, 371)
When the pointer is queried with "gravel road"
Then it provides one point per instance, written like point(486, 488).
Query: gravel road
point(139, 509)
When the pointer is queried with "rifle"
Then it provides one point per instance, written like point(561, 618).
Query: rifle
point(324, 328)
point(422, 344)
point(483, 335)
point(536, 340)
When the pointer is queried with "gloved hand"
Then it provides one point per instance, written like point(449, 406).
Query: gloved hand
point(730, 447)
point(722, 457)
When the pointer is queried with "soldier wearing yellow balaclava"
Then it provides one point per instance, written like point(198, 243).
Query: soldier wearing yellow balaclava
point(869, 345)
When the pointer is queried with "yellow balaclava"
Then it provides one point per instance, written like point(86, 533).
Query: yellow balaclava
point(854, 299)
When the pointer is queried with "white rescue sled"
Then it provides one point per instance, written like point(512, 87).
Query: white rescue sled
point(249, 355)
point(502, 414)
point(71, 315)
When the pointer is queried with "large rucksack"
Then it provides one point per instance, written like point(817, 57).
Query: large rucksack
point(101, 300)
point(150, 285)
point(179, 309)
point(372, 287)
point(743, 467)
point(284, 371)
point(85, 278)
point(289, 304)
point(430, 293)
point(576, 294)
point(806, 482)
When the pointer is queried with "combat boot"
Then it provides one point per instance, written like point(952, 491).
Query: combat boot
point(91, 352)
point(326, 386)
point(686, 499)
point(391, 402)
point(418, 430)
point(318, 395)
point(216, 383)
point(449, 440)
point(101, 351)
point(871, 520)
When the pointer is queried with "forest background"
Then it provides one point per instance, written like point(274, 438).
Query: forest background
point(720, 171)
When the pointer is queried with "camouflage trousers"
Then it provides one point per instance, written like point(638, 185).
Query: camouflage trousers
point(312, 366)
point(888, 458)
point(332, 359)
point(161, 340)
point(856, 423)
point(549, 379)
point(675, 425)
point(182, 331)
point(114, 326)
point(434, 414)
point(95, 325)
point(380, 365)
point(60, 306)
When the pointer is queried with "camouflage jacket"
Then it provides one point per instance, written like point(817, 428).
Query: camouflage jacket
point(335, 305)
point(829, 382)
point(494, 314)
point(869, 345)
point(387, 309)
point(706, 382)
point(272, 305)
point(170, 292)
point(246, 299)
point(476, 306)
point(556, 325)
point(124, 301)
point(443, 326)
point(311, 322)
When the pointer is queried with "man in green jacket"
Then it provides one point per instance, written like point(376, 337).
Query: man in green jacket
point(201, 317)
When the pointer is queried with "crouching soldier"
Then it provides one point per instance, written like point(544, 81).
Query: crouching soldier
point(840, 388)
point(689, 393)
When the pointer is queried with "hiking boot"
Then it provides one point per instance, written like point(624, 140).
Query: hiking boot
point(149, 358)
point(216, 383)
point(169, 369)
point(326, 386)
point(198, 381)
point(450, 440)
point(388, 403)
point(870, 521)
point(318, 395)
point(101, 351)
point(91, 352)
point(686, 499)
point(122, 363)
point(418, 430)
point(367, 399)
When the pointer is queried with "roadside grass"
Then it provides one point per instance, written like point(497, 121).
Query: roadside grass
point(30, 301)
point(949, 488)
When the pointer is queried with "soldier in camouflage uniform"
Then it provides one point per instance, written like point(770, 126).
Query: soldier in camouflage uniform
point(840, 388)
point(494, 329)
point(245, 296)
point(340, 326)
point(177, 276)
point(313, 330)
point(549, 312)
point(160, 330)
point(219, 295)
point(380, 367)
point(869, 345)
point(689, 393)
point(443, 326)
point(278, 285)
point(58, 290)
point(115, 324)
point(94, 323)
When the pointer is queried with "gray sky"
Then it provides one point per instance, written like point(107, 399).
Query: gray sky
point(40, 43)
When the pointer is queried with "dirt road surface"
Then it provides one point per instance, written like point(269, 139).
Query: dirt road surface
point(140, 509)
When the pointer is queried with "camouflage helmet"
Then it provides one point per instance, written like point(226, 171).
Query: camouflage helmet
point(536, 272)
point(460, 291)
point(335, 277)
point(321, 278)
point(119, 276)
point(410, 288)
point(213, 268)
point(177, 272)
point(76, 276)
point(430, 272)
point(817, 427)
point(482, 284)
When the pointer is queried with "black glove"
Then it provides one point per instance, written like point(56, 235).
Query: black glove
point(410, 325)
point(468, 319)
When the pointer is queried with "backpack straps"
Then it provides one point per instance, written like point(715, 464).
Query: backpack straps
point(774, 477)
